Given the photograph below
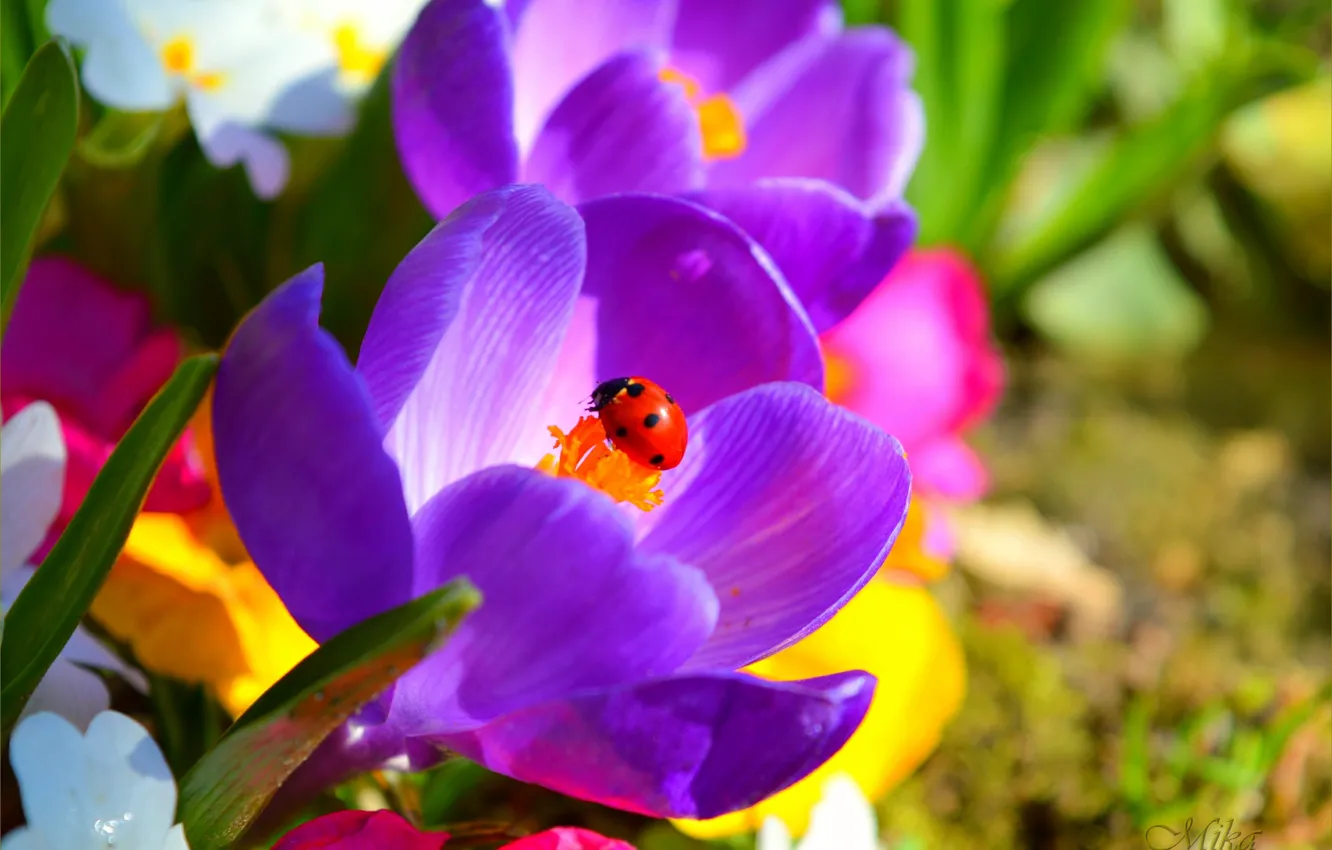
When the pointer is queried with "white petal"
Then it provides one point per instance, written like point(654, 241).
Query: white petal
point(127, 74)
point(86, 650)
point(773, 835)
point(175, 839)
point(842, 820)
point(127, 774)
point(46, 752)
point(226, 143)
point(32, 479)
point(84, 21)
point(70, 691)
point(23, 838)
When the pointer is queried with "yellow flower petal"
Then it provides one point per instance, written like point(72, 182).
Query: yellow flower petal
point(188, 613)
point(908, 553)
point(898, 633)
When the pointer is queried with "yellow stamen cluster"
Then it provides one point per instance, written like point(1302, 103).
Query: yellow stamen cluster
point(357, 59)
point(178, 58)
point(718, 118)
point(584, 455)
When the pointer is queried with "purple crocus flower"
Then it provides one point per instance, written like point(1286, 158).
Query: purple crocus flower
point(768, 111)
point(603, 660)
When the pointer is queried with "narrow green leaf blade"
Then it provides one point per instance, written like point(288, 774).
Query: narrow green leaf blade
point(49, 608)
point(36, 136)
point(1135, 171)
point(229, 787)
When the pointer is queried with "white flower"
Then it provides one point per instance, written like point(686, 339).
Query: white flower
point(32, 478)
point(107, 788)
point(842, 820)
point(236, 66)
point(361, 33)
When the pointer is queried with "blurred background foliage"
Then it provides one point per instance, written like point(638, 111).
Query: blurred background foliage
point(1146, 186)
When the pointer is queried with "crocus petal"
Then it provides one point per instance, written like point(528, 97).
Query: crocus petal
point(717, 44)
point(855, 90)
point(622, 129)
point(453, 103)
point(567, 838)
point(789, 504)
point(32, 473)
point(832, 250)
point(466, 334)
point(569, 605)
point(896, 632)
point(316, 500)
point(916, 354)
point(360, 830)
point(693, 745)
point(558, 42)
point(685, 298)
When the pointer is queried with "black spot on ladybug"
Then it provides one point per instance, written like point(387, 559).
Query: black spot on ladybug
point(634, 390)
point(651, 420)
point(656, 460)
point(670, 399)
point(622, 431)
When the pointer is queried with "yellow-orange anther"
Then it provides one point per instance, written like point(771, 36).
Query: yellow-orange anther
point(719, 120)
point(355, 57)
point(584, 455)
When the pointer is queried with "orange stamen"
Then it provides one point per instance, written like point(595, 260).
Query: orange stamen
point(178, 55)
point(719, 120)
point(584, 455)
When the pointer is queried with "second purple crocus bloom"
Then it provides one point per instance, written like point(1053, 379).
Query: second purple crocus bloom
point(603, 660)
point(769, 112)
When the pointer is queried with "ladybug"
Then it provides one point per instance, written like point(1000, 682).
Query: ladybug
point(641, 420)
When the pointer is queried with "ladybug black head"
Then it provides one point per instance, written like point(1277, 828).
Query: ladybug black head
point(605, 391)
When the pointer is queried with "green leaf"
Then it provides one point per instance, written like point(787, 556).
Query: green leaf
point(360, 251)
point(36, 136)
point(1133, 172)
point(1056, 58)
point(50, 606)
point(1122, 301)
point(121, 139)
point(229, 787)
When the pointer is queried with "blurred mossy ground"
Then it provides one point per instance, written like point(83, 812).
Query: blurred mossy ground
point(1210, 699)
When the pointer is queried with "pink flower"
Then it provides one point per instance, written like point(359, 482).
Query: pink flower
point(92, 351)
point(916, 359)
point(385, 830)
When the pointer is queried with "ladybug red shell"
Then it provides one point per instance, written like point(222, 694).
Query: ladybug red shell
point(642, 420)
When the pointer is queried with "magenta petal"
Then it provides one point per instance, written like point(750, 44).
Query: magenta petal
point(840, 110)
point(622, 129)
point(568, 603)
point(353, 829)
point(691, 746)
point(718, 43)
point(453, 103)
point(316, 500)
point(79, 342)
point(684, 297)
point(558, 42)
point(789, 504)
point(938, 370)
point(466, 334)
point(830, 247)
